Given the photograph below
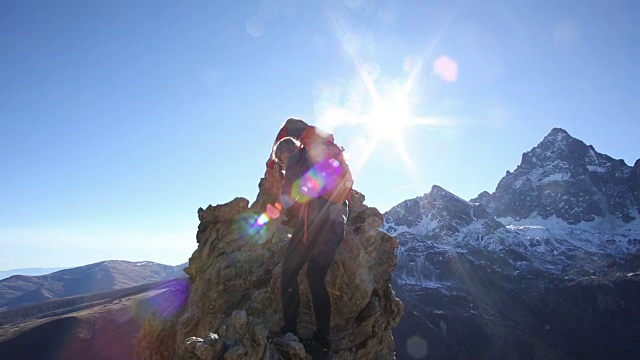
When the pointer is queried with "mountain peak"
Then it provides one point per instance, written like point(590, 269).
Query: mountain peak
point(562, 177)
point(440, 213)
point(438, 191)
point(555, 132)
point(557, 141)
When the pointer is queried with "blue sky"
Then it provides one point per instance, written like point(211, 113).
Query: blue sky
point(119, 119)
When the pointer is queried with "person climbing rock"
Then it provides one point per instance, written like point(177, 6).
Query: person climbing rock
point(314, 192)
point(289, 133)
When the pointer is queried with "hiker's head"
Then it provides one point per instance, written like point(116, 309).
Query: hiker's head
point(283, 148)
point(293, 129)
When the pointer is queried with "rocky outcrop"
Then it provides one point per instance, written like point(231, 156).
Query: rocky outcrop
point(233, 310)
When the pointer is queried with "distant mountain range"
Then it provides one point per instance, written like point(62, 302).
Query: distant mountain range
point(21, 290)
point(93, 326)
point(545, 267)
point(28, 271)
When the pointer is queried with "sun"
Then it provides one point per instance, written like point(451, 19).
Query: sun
point(388, 118)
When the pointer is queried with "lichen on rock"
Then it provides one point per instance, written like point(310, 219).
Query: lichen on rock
point(234, 309)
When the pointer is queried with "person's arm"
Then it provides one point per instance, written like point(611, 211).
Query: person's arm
point(296, 166)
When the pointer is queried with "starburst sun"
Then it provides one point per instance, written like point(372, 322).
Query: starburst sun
point(384, 107)
point(388, 118)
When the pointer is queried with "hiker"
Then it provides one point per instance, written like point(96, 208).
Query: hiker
point(289, 133)
point(320, 214)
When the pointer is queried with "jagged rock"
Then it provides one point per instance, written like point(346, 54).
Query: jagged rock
point(235, 277)
point(247, 337)
point(290, 347)
point(211, 348)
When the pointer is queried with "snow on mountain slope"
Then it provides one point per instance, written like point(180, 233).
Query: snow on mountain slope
point(566, 208)
point(440, 213)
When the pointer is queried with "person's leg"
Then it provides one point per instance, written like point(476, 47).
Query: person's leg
point(295, 257)
point(328, 236)
point(316, 274)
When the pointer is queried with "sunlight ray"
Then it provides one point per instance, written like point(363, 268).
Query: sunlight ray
point(428, 52)
point(384, 108)
point(343, 36)
point(404, 154)
point(413, 77)
point(363, 157)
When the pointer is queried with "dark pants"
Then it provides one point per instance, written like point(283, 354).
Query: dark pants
point(325, 232)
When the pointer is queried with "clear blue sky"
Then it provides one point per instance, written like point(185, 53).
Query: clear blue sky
point(118, 119)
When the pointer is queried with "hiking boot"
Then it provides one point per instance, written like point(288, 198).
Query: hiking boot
point(318, 349)
point(284, 331)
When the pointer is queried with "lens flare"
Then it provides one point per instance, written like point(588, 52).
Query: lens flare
point(262, 220)
point(446, 68)
point(172, 299)
point(321, 178)
point(252, 227)
point(417, 347)
point(103, 327)
point(273, 211)
point(308, 186)
point(331, 172)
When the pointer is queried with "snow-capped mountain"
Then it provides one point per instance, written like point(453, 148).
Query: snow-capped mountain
point(502, 275)
point(565, 200)
point(562, 177)
point(438, 214)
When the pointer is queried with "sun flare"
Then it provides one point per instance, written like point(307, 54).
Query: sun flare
point(388, 118)
point(379, 109)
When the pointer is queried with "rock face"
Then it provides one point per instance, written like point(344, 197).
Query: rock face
point(546, 267)
point(233, 310)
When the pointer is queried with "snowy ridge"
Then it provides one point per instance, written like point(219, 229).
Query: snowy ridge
point(566, 209)
point(556, 171)
point(426, 225)
point(548, 245)
point(416, 269)
point(605, 235)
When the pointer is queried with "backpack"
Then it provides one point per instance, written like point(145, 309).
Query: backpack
point(329, 164)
